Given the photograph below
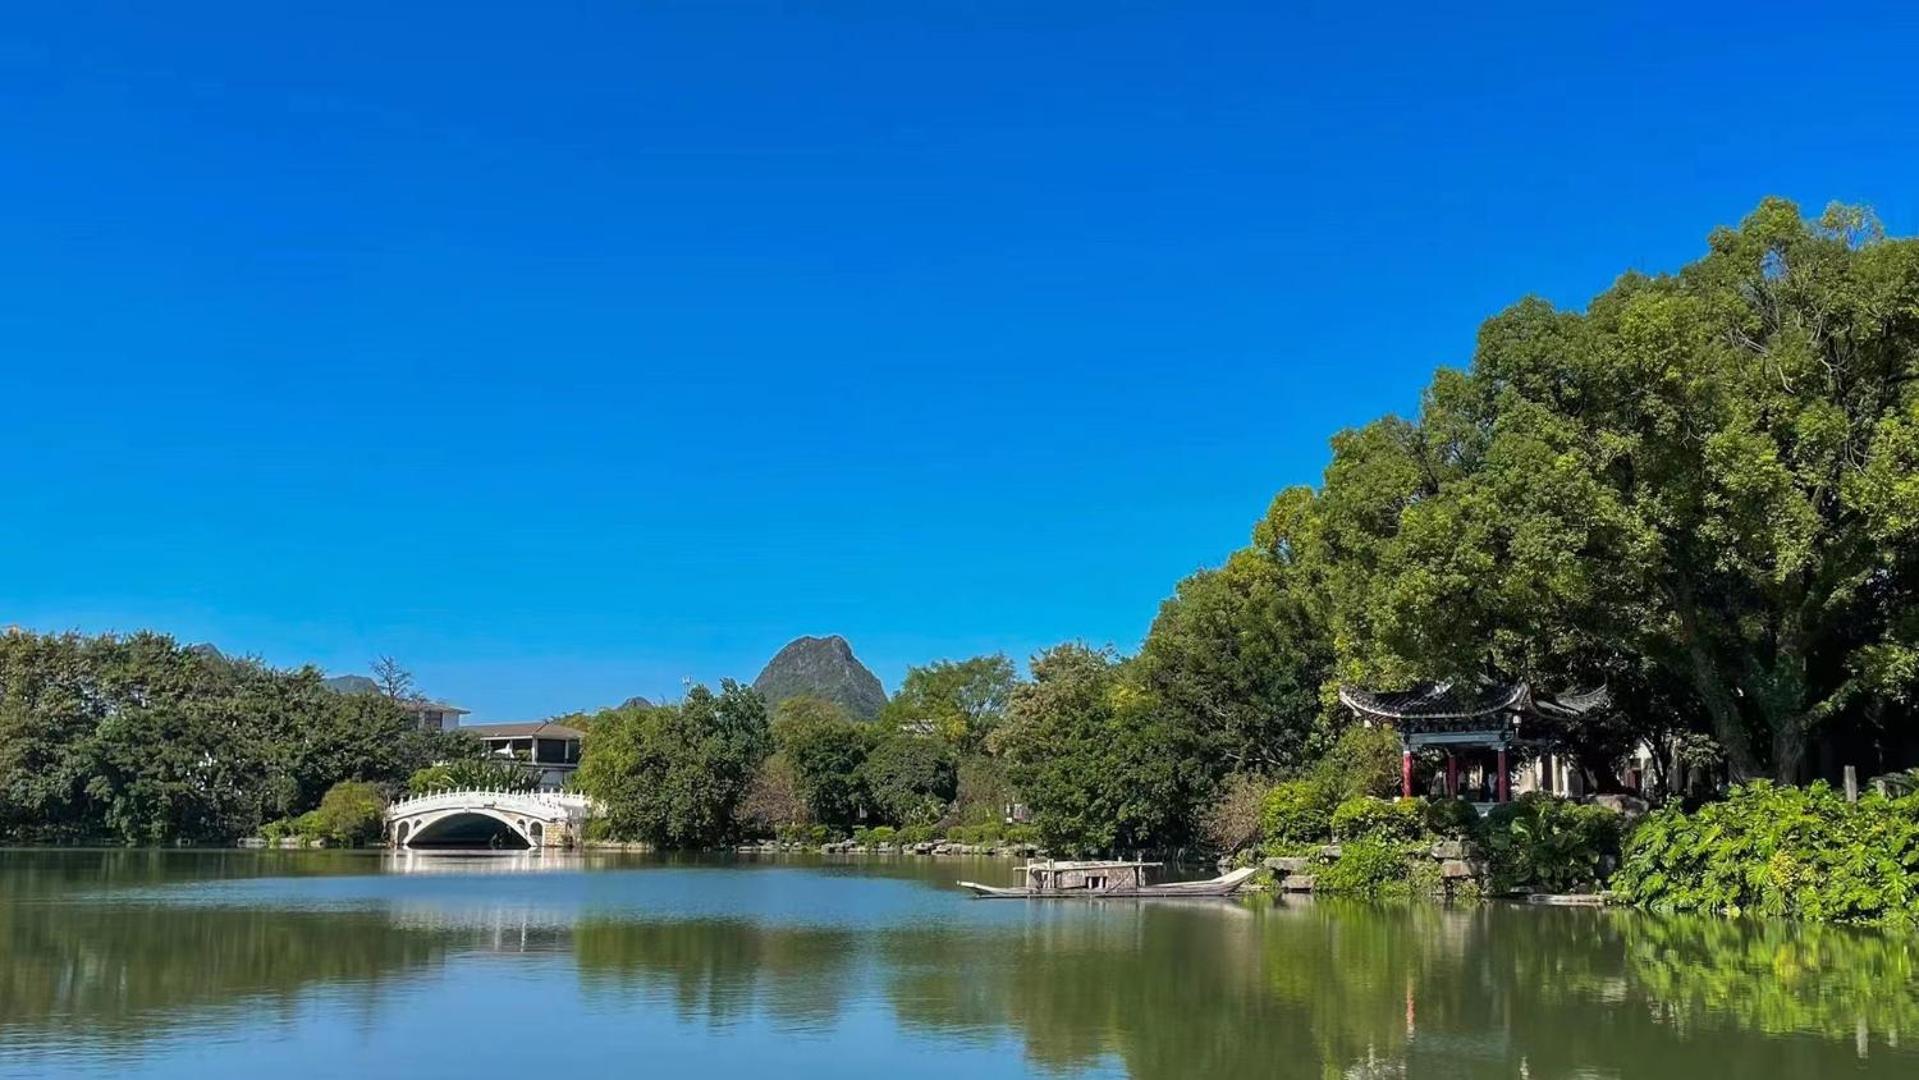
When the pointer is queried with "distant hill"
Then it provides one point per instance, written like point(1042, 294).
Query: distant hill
point(636, 702)
point(822, 667)
point(351, 684)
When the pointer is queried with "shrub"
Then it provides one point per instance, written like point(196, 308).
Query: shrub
point(309, 827)
point(1369, 817)
point(1367, 867)
point(916, 834)
point(1779, 851)
point(1896, 784)
point(485, 774)
point(795, 833)
point(1022, 834)
point(1549, 843)
point(1234, 821)
point(351, 812)
point(1297, 812)
point(1363, 761)
point(1453, 819)
point(878, 834)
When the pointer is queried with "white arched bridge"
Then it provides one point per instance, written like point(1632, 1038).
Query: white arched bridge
point(477, 818)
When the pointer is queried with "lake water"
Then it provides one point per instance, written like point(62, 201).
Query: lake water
point(288, 965)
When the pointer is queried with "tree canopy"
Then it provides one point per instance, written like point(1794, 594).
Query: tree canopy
point(1101, 766)
point(676, 775)
point(826, 750)
point(138, 739)
point(961, 702)
point(1701, 489)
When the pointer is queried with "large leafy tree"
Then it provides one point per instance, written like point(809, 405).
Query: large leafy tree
point(910, 779)
point(1102, 767)
point(138, 739)
point(1702, 488)
point(959, 701)
point(825, 749)
point(675, 775)
point(1240, 653)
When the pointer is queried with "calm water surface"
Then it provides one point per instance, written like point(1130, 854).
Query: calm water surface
point(290, 965)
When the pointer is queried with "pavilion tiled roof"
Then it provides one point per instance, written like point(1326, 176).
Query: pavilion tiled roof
point(1438, 701)
point(1451, 706)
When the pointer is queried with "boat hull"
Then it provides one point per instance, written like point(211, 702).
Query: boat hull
point(1224, 885)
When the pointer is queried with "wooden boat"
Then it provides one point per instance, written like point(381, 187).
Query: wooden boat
point(1052, 880)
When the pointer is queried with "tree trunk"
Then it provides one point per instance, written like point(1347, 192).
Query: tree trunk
point(1728, 725)
point(1789, 750)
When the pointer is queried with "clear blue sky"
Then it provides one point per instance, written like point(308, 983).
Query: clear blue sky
point(565, 350)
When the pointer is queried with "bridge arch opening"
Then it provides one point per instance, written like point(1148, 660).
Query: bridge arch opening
point(400, 833)
point(470, 830)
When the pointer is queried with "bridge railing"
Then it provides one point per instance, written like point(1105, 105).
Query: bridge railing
point(558, 800)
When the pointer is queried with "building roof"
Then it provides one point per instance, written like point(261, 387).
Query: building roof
point(1486, 706)
point(423, 705)
point(1438, 701)
point(544, 729)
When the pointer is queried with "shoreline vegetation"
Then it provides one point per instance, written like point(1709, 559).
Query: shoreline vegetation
point(1701, 492)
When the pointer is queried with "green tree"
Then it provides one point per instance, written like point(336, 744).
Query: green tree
point(351, 812)
point(675, 775)
point(471, 774)
point(960, 701)
point(1242, 652)
point(1100, 765)
point(825, 748)
point(138, 739)
point(910, 779)
point(1700, 489)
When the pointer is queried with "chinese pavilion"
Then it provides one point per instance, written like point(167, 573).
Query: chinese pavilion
point(1473, 720)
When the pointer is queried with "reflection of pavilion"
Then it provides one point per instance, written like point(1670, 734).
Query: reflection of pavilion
point(1470, 725)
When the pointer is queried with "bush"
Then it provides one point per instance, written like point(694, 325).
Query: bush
point(990, 834)
point(1234, 820)
point(1363, 761)
point(1452, 819)
point(1022, 834)
point(351, 812)
point(1297, 812)
point(1549, 843)
point(878, 834)
point(1780, 851)
point(1366, 867)
point(483, 774)
point(1369, 817)
point(794, 833)
point(916, 834)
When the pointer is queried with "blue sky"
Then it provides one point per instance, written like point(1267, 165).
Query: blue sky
point(565, 351)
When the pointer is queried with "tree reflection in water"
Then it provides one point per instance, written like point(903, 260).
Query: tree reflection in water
point(115, 948)
point(1358, 989)
point(720, 970)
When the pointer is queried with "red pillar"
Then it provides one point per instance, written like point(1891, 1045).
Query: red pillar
point(1406, 773)
point(1505, 785)
point(1452, 775)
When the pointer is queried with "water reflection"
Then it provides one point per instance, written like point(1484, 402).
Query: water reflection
point(720, 970)
point(121, 948)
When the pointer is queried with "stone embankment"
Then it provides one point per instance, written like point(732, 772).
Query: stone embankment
point(1446, 866)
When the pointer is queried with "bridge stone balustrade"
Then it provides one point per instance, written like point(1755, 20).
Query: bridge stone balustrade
point(539, 818)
